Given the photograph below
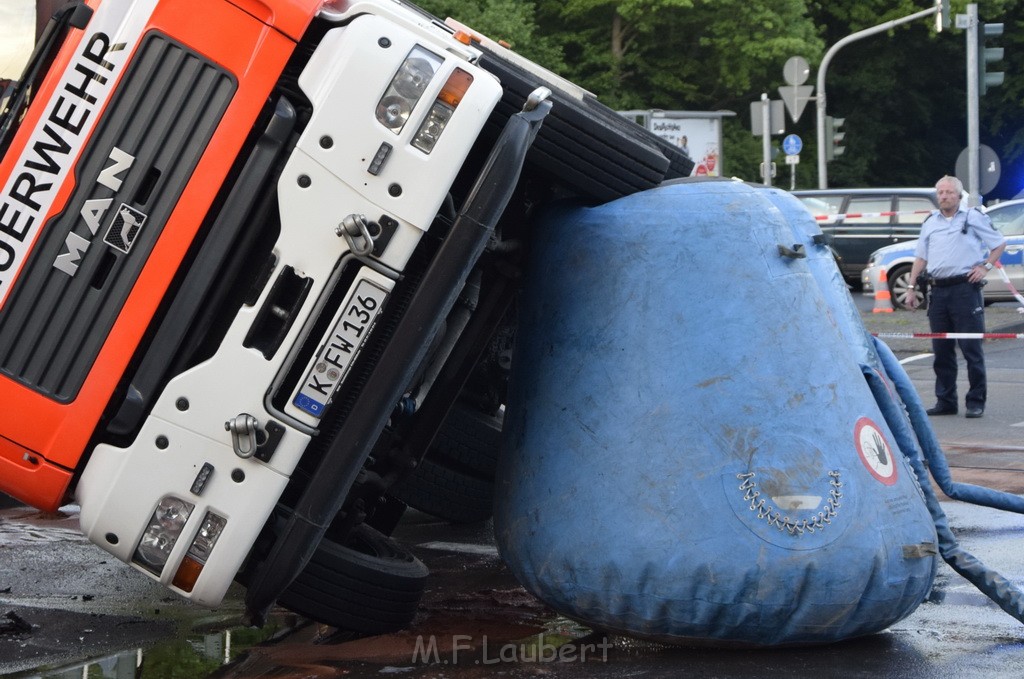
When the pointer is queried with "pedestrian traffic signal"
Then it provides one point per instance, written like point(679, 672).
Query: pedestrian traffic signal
point(987, 55)
point(834, 137)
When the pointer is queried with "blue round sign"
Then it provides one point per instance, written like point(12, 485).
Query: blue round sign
point(792, 145)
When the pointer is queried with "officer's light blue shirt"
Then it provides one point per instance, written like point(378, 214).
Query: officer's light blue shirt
point(950, 252)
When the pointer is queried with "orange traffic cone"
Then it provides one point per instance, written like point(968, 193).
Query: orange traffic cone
point(883, 298)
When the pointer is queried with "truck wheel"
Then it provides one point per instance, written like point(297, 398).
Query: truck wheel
point(455, 480)
point(583, 145)
point(469, 440)
point(369, 584)
point(446, 493)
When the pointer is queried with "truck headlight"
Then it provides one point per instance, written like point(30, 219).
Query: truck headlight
point(165, 526)
point(441, 112)
point(406, 88)
point(199, 551)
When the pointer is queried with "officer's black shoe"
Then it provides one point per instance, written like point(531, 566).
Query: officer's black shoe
point(941, 410)
point(975, 411)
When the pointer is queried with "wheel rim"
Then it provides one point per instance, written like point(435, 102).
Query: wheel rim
point(900, 287)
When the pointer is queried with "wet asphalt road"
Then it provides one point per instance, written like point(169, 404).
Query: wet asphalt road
point(474, 611)
point(67, 610)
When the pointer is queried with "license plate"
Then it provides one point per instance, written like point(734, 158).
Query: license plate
point(340, 349)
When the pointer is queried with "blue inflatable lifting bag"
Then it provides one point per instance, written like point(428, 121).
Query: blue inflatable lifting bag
point(692, 451)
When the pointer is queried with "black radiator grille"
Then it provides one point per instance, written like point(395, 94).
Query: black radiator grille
point(160, 120)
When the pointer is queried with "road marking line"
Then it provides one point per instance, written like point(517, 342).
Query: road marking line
point(915, 357)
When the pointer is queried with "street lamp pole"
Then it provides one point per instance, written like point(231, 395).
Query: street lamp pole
point(820, 99)
point(766, 140)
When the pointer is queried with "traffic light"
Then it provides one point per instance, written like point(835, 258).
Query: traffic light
point(942, 16)
point(987, 55)
point(834, 137)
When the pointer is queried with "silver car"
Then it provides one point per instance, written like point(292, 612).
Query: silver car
point(895, 261)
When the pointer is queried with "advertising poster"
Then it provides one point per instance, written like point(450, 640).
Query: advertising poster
point(699, 137)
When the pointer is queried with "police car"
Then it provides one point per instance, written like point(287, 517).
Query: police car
point(896, 260)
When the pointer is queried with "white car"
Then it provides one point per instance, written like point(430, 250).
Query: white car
point(895, 260)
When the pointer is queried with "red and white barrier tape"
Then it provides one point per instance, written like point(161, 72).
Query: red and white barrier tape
point(850, 215)
point(964, 335)
point(1006, 279)
point(950, 335)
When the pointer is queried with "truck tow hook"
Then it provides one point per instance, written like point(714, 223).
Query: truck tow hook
point(243, 428)
point(356, 230)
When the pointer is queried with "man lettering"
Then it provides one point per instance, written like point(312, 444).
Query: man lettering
point(68, 261)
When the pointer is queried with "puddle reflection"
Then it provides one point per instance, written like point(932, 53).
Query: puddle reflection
point(196, 654)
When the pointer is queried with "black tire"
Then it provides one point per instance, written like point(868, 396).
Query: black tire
point(680, 165)
point(370, 584)
point(583, 145)
point(899, 288)
point(447, 494)
point(455, 480)
point(469, 441)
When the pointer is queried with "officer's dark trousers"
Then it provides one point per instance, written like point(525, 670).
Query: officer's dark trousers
point(958, 308)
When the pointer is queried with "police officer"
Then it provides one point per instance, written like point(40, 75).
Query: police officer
point(957, 247)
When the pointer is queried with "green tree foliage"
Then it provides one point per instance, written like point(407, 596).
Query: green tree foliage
point(902, 92)
point(509, 21)
point(672, 54)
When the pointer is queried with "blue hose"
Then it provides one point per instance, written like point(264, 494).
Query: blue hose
point(992, 584)
point(978, 495)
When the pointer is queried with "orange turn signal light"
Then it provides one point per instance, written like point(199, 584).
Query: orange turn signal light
point(188, 573)
point(456, 87)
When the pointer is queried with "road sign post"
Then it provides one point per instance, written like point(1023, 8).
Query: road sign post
point(973, 124)
point(792, 145)
point(767, 118)
point(792, 161)
point(766, 150)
